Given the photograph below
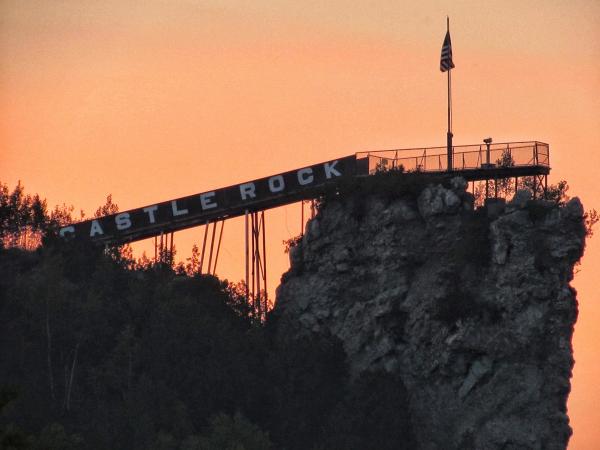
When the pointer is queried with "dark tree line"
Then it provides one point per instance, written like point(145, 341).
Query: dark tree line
point(97, 355)
point(98, 351)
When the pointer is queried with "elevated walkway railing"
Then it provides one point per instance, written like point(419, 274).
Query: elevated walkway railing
point(466, 157)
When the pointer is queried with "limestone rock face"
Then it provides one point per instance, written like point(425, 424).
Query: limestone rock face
point(473, 310)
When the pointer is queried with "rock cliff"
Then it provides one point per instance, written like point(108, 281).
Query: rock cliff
point(472, 308)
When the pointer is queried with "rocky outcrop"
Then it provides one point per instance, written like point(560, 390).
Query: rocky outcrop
point(471, 308)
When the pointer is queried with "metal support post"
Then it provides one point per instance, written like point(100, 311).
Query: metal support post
point(161, 252)
point(212, 244)
point(302, 218)
point(256, 233)
point(203, 247)
point(247, 258)
point(218, 247)
point(256, 263)
point(264, 260)
point(252, 266)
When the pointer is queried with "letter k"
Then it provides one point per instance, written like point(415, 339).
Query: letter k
point(330, 170)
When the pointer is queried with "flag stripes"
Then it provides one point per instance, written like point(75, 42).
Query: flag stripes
point(446, 62)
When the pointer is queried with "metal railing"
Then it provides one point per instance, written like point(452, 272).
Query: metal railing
point(465, 157)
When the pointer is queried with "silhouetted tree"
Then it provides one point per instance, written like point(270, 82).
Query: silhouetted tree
point(306, 378)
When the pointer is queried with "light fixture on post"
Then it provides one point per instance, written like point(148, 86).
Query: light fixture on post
point(488, 142)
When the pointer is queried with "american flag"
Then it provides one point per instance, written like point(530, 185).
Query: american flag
point(446, 61)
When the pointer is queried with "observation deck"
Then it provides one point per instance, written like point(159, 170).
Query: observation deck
point(472, 162)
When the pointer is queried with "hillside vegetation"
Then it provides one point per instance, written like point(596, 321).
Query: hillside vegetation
point(98, 351)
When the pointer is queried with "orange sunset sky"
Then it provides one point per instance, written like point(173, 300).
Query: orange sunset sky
point(156, 99)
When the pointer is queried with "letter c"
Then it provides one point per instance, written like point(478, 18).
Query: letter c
point(305, 176)
point(65, 230)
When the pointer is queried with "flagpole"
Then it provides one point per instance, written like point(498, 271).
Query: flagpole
point(449, 134)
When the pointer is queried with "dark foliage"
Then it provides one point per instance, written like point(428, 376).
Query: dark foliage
point(590, 219)
point(306, 380)
point(101, 355)
point(100, 351)
point(118, 355)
